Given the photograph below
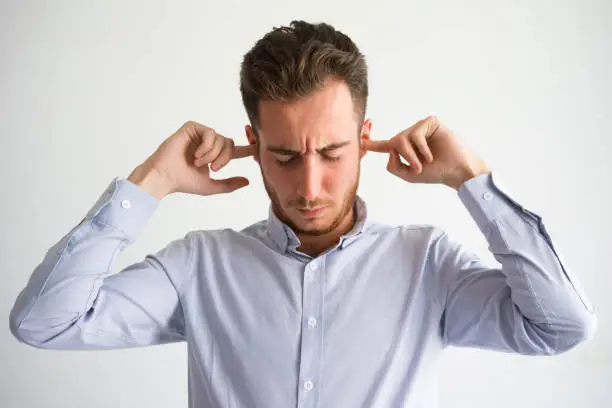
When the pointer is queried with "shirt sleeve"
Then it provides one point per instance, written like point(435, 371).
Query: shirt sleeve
point(532, 304)
point(71, 300)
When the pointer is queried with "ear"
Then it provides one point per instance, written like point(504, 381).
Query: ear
point(366, 128)
point(250, 134)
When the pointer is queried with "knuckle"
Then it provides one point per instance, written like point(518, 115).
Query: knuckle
point(208, 138)
point(434, 121)
point(190, 124)
point(219, 143)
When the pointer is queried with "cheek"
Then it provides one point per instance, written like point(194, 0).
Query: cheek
point(269, 168)
point(277, 178)
point(339, 178)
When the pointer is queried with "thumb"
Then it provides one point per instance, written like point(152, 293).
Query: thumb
point(227, 185)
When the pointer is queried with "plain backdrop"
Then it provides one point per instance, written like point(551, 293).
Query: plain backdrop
point(89, 89)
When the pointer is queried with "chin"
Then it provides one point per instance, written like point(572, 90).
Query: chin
point(316, 224)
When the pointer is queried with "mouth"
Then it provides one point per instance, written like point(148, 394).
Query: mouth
point(311, 212)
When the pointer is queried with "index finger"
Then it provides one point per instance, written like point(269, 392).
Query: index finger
point(239, 152)
point(381, 146)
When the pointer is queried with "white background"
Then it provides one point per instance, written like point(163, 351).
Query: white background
point(89, 89)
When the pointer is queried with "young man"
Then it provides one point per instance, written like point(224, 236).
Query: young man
point(316, 306)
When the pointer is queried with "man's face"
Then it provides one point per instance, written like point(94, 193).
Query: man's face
point(309, 154)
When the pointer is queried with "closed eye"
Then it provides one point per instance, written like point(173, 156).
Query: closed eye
point(292, 159)
point(287, 162)
point(289, 156)
point(331, 158)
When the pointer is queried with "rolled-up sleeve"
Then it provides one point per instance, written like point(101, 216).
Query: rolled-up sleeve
point(531, 303)
point(73, 301)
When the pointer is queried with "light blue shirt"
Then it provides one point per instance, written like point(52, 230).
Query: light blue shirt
point(361, 325)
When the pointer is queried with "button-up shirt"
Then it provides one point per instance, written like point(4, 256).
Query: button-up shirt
point(360, 325)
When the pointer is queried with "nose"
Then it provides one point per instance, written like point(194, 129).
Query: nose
point(310, 178)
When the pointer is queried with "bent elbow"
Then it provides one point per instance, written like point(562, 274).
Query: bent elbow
point(19, 333)
point(40, 333)
point(586, 327)
point(23, 335)
point(581, 329)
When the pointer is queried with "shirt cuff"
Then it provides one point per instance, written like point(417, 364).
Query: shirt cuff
point(123, 206)
point(486, 201)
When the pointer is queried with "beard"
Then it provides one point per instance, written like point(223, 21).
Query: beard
point(348, 203)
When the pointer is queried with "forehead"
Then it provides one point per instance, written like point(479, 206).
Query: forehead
point(323, 117)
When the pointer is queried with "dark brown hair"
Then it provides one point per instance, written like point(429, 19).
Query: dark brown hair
point(288, 63)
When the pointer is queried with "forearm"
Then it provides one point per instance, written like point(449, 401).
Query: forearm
point(150, 180)
point(64, 285)
point(541, 286)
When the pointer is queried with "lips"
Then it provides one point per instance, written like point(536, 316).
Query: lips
point(311, 212)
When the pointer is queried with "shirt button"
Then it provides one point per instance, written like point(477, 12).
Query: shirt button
point(313, 266)
point(312, 322)
point(487, 196)
point(126, 204)
point(308, 385)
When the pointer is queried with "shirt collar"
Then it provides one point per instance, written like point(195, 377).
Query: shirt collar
point(287, 240)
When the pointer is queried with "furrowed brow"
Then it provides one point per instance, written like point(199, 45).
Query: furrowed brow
point(333, 146)
point(290, 152)
point(283, 151)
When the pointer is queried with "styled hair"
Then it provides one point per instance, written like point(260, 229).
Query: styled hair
point(288, 63)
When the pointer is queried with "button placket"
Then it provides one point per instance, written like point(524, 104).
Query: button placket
point(311, 339)
point(311, 272)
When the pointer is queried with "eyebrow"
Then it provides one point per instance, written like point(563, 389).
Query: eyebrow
point(291, 152)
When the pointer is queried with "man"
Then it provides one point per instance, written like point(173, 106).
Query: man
point(317, 306)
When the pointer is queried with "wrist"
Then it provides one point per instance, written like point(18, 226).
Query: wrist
point(467, 172)
point(150, 180)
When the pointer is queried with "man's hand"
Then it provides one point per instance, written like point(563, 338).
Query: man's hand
point(434, 153)
point(181, 163)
